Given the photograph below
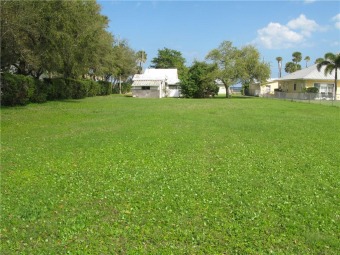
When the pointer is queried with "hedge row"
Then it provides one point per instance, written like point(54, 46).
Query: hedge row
point(21, 90)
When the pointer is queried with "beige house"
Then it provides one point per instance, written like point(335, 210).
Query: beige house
point(156, 83)
point(310, 77)
point(260, 89)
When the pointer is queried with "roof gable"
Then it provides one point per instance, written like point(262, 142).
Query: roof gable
point(310, 73)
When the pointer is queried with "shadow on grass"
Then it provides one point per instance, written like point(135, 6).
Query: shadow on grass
point(233, 97)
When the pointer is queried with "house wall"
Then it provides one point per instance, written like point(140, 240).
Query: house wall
point(288, 86)
point(173, 92)
point(153, 92)
point(256, 89)
point(221, 90)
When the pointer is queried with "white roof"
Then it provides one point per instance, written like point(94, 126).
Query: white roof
point(310, 73)
point(269, 80)
point(150, 83)
point(170, 75)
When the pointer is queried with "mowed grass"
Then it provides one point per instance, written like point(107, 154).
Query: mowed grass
point(118, 175)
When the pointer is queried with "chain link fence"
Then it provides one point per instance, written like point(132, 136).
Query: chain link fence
point(312, 98)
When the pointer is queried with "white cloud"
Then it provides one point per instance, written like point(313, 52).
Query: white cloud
point(306, 26)
point(275, 36)
point(336, 18)
point(295, 32)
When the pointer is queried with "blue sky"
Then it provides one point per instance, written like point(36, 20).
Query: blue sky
point(276, 28)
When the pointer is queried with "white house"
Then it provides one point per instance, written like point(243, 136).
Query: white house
point(259, 89)
point(156, 83)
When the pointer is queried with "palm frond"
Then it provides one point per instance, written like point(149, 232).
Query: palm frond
point(322, 63)
point(329, 69)
point(330, 56)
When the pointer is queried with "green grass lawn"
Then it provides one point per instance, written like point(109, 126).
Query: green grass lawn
point(119, 175)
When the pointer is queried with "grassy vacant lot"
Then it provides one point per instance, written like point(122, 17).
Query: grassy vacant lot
point(117, 175)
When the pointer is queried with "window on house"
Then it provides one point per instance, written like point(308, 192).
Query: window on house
point(294, 87)
point(145, 87)
point(172, 86)
point(324, 88)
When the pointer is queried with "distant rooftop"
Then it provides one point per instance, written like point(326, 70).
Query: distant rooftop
point(158, 74)
point(310, 73)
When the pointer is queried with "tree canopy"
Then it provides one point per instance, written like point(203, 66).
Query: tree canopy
point(238, 65)
point(293, 66)
point(57, 37)
point(168, 58)
point(200, 82)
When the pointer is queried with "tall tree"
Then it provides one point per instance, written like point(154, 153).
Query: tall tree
point(200, 82)
point(238, 65)
point(66, 37)
point(225, 59)
point(297, 57)
point(141, 59)
point(250, 67)
point(307, 59)
point(168, 58)
point(332, 63)
point(124, 64)
point(279, 63)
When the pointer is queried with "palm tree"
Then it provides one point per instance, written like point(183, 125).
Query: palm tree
point(307, 59)
point(331, 62)
point(297, 57)
point(290, 67)
point(279, 63)
point(141, 58)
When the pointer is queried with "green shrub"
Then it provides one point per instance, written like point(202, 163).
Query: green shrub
point(106, 88)
point(126, 88)
point(16, 89)
point(312, 90)
point(93, 88)
point(78, 88)
point(40, 92)
point(58, 89)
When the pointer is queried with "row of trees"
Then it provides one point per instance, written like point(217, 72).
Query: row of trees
point(227, 63)
point(294, 65)
point(62, 38)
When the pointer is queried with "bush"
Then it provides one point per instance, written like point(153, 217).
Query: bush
point(40, 92)
point(106, 88)
point(78, 88)
point(21, 90)
point(93, 88)
point(16, 89)
point(312, 90)
point(58, 89)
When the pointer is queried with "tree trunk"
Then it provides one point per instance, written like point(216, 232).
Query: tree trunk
point(227, 91)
